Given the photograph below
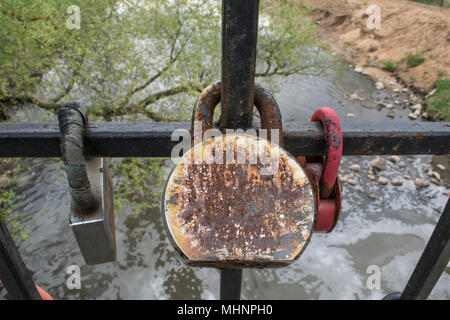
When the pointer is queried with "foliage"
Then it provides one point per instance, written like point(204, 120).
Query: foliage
point(389, 66)
point(438, 106)
point(7, 205)
point(143, 57)
point(445, 3)
point(414, 60)
point(139, 182)
point(9, 198)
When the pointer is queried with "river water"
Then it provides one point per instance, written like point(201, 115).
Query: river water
point(388, 230)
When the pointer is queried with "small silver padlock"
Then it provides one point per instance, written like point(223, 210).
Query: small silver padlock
point(95, 233)
point(91, 209)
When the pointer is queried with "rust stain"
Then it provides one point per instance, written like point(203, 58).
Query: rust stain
point(269, 111)
point(265, 103)
point(224, 215)
point(207, 102)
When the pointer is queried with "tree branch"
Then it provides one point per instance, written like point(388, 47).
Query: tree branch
point(22, 19)
point(171, 62)
point(149, 81)
point(277, 72)
point(21, 97)
point(162, 94)
point(16, 96)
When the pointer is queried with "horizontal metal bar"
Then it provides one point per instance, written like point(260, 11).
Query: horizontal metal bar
point(150, 139)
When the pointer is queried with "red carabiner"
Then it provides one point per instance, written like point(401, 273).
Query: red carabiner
point(333, 153)
point(325, 171)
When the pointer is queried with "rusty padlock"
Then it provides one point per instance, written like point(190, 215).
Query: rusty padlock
point(323, 171)
point(234, 215)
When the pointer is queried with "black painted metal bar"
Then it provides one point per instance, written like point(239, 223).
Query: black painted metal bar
point(13, 272)
point(230, 284)
point(433, 261)
point(150, 139)
point(239, 37)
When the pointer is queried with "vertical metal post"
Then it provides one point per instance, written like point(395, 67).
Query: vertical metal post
point(433, 261)
point(13, 272)
point(239, 36)
point(230, 284)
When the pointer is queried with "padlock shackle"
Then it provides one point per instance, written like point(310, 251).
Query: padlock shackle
point(72, 120)
point(333, 153)
point(265, 103)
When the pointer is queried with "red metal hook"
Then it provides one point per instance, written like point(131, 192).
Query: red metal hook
point(333, 153)
point(323, 171)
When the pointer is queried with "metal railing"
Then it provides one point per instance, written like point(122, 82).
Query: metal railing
point(240, 21)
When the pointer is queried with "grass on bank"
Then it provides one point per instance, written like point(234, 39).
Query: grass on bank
point(446, 3)
point(414, 60)
point(389, 66)
point(438, 106)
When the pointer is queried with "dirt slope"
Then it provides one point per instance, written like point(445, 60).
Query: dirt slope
point(405, 27)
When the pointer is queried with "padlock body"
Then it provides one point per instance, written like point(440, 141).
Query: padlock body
point(95, 232)
point(237, 215)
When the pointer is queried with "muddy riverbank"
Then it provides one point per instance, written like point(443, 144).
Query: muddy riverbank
point(403, 28)
point(406, 29)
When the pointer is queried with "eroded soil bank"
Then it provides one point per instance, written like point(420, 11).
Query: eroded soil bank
point(405, 27)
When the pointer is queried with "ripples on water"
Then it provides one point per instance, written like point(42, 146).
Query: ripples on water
point(390, 231)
